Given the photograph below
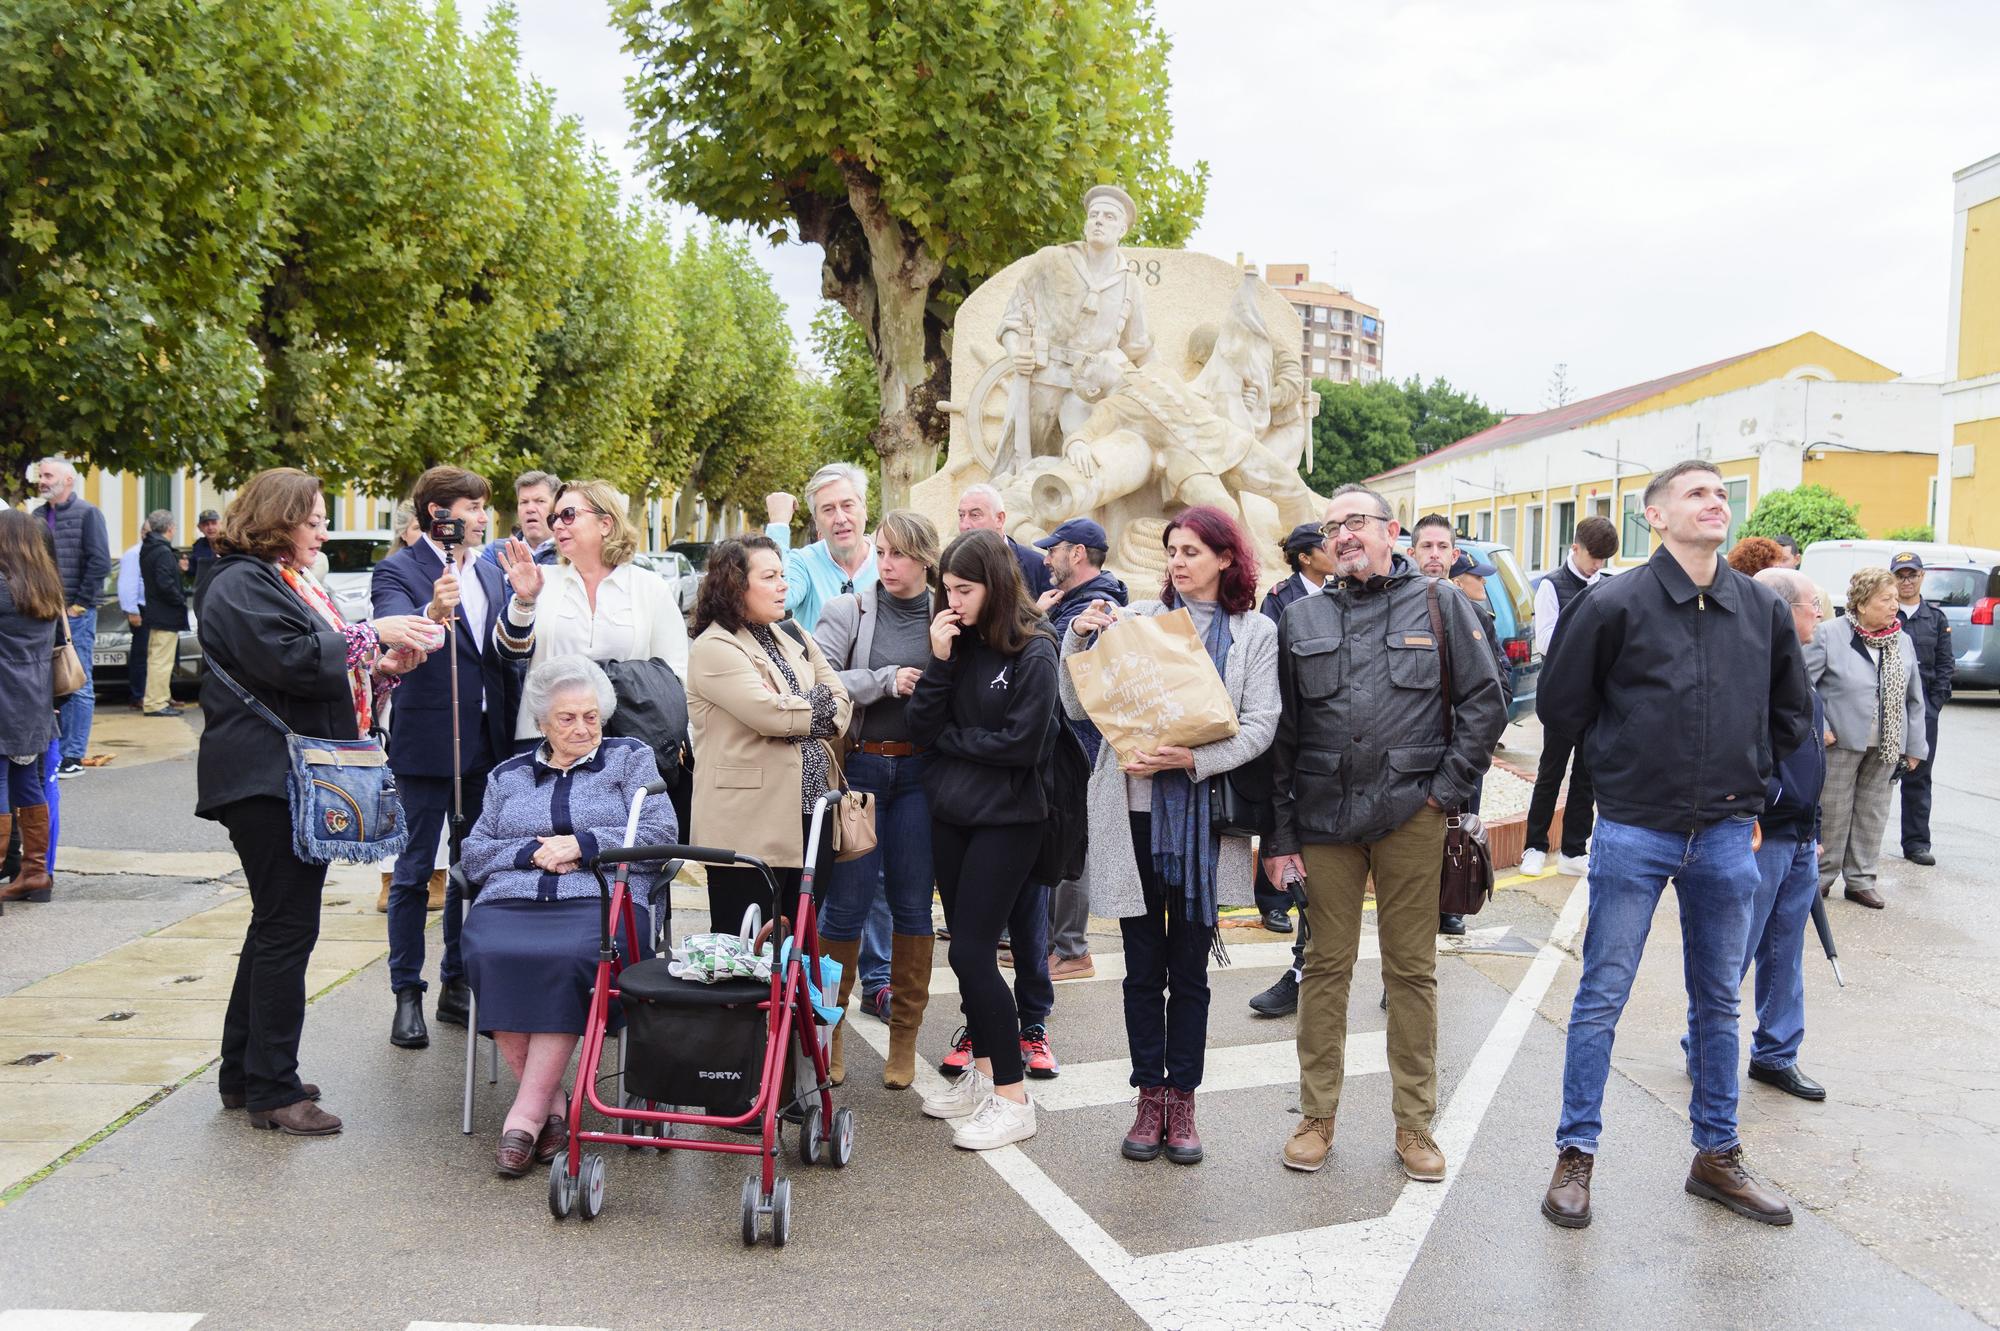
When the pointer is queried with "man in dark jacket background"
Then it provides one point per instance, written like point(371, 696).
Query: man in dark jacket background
point(164, 614)
point(1930, 634)
point(1076, 552)
point(1683, 678)
point(1788, 874)
point(1362, 774)
point(83, 557)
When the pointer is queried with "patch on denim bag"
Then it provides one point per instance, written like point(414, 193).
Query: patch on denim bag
point(337, 821)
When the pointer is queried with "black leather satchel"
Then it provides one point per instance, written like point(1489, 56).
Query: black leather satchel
point(1239, 802)
point(1465, 880)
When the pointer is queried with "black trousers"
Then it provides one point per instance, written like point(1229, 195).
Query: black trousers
point(135, 665)
point(733, 890)
point(1917, 793)
point(1166, 980)
point(1578, 814)
point(267, 1004)
point(982, 874)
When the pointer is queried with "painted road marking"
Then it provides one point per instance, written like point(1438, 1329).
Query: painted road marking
point(1335, 1278)
point(1231, 1068)
point(1242, 956)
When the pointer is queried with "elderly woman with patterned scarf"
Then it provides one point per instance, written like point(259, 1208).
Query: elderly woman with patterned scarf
point(1865, 669)
point(1154, 861)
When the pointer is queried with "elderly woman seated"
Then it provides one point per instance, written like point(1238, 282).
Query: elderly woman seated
point(531, 937)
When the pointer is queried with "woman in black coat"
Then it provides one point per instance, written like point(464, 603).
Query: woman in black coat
point(31, 599)
point(274, 629)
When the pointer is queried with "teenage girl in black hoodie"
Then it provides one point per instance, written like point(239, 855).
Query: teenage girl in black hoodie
point(986, 707)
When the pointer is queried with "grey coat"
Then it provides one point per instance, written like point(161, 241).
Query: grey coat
point(27, 680)
point(1845, 676)
point(846, 633)
point(1251, 677)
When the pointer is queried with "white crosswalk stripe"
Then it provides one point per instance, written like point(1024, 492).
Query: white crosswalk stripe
point(1226, 1068)
point(74, 1319)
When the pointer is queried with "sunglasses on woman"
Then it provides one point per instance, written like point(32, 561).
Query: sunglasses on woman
point(563, 517)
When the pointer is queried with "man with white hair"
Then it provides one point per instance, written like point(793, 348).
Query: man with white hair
point(842, 561)
point(83, 557)
point(980, 508)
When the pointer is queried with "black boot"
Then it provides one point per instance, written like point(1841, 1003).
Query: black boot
point(1452, 926)
point(408, 1031)
point(455, 1003)
point(1280, 1000)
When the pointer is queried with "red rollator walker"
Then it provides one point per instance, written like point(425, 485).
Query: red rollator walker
point(746, 1052)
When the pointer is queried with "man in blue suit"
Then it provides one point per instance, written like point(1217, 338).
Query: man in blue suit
point(446, 582)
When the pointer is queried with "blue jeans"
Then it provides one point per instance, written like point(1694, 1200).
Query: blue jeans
point(1715, 877)
point(876, 944)
point(26, 784)
point(1788, 872)
point(900, 865)
point(73, 716)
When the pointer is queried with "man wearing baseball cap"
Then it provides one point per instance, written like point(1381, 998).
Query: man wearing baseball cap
point(201, 555)
point(1930, 634)
point(1076, 552)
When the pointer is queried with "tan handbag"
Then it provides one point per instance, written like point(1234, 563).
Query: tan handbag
point(853, 818)
point(66, 667)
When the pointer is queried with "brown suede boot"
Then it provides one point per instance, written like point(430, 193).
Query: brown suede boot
point(910, 958)
point(382, 901)
point(33, 883)
point(848, 953)
point(436, 899)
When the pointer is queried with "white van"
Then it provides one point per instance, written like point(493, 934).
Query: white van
point(1832, 563)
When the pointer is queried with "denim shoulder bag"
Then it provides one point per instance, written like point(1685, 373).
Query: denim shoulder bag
point(341, 791)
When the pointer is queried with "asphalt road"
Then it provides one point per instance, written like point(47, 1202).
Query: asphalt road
point(400, 1220)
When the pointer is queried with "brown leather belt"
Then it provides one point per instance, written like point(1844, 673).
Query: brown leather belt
point(890, 748)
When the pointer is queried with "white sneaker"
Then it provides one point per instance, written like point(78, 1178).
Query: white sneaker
point(1574, 865)
point(1534, 863)
point(998, 1122)
point(962, 1098)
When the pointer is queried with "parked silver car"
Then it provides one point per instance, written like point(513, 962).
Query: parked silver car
point(1968, 594)
point(351, 557)
point(110, 656)
point(675, 568)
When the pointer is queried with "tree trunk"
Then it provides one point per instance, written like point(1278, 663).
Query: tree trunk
point(884, 275)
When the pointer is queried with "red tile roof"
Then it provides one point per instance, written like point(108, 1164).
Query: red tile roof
point(1520, 429)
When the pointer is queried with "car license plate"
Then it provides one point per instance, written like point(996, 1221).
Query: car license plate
point(107, 658)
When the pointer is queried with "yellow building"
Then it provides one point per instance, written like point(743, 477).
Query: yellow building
point(1806, 410)
point(1969, 450)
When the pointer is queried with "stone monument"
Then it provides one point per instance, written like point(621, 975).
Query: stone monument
point(1122, 384)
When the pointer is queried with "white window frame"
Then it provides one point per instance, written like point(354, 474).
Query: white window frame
point(1537, 516)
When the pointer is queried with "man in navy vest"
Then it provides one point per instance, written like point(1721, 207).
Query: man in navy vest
point(83, 557)
point(447, 583)
point(1596, 542)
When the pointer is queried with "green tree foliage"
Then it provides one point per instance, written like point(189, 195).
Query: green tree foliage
point(844, 403)
point(1922, 531)
point(1806, 513)
point(1441, 414)
point(922, 147)
point(1361, 429)
point(142, 156)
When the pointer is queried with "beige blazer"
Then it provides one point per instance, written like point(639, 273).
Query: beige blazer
point(742, 717)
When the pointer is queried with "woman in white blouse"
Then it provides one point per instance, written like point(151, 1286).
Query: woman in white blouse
point(595, 602)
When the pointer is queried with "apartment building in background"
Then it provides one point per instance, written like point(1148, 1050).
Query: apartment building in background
point(1343, 336)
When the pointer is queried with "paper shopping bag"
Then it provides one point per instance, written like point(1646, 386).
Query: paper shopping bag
point(1149, 682)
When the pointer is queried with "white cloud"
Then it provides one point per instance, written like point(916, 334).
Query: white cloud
point(1631, 189)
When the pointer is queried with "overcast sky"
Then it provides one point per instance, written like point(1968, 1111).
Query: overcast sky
point(1631, 190)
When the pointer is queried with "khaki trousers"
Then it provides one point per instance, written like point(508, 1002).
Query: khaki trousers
point(162, 649)
point(1405, 865)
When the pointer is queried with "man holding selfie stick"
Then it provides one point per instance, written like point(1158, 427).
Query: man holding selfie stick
point(453, 720)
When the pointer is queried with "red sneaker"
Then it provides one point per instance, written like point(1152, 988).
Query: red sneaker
point(1036, 1053)
point(960, 1057)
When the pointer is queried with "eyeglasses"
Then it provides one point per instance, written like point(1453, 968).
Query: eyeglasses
point(1902, 573)
point(563, 517)
point(1353, 522)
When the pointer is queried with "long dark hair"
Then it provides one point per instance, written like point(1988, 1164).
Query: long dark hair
point(1008, 621)
point(28, 567)
point(1215, 529)
point(726, 580)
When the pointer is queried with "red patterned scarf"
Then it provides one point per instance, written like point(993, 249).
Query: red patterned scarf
point(358, 680)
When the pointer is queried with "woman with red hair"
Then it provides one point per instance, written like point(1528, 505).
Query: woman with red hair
point(1155, 860)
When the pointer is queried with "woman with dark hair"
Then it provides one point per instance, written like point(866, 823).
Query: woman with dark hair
point(763, 705)
point(986, 707)
point(274, 629)
point(31, 604)
point(1155, 860)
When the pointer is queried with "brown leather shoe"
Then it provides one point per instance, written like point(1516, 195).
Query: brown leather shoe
point(1142, 1142)
point(553, 1140)
point(1422, 1160)
point(516, 1153)
point(1865, 896)
point(1721, 1177)
point(236, 1099)
point(1568, 1200)
point(1071, 968)
point(1309, 1144)
point(301, 1118)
